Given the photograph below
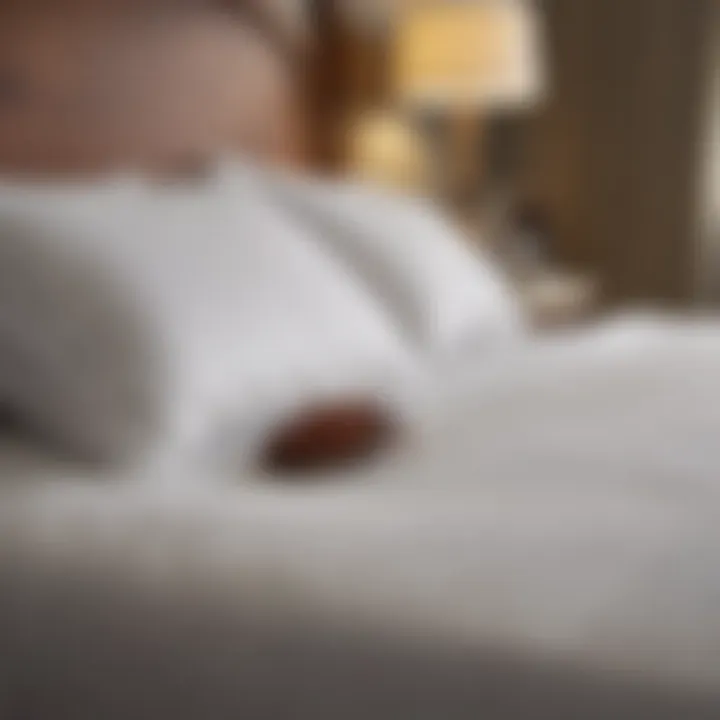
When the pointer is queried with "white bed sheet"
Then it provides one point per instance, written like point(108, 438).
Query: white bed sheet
point(547, 547)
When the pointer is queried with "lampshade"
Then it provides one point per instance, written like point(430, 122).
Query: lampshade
point(477, 54)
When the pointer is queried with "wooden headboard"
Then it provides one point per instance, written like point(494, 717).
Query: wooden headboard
point(92, 85)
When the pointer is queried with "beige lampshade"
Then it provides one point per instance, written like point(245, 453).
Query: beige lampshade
point(481, 54)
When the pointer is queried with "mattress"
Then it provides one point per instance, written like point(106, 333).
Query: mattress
point(545, 546)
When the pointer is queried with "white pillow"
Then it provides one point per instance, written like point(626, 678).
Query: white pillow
point(142, 322)
point(75, 361)
point(446, 295)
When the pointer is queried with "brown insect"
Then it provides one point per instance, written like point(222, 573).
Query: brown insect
point(330, 436)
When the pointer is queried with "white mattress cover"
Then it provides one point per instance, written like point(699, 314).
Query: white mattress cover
point(557, 517)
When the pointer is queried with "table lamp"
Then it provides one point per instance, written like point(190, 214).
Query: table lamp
point(466, 59)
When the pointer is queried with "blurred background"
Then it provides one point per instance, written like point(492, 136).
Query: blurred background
point(579, 138)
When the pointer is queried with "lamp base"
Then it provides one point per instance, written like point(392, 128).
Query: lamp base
point(459, 177)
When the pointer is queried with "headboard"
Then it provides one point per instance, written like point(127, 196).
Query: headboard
point(89, 86)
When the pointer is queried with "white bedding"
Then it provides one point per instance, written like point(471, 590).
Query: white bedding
point(141, 322)
point(547, 548)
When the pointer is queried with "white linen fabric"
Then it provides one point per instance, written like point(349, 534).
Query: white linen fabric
point(443, 290)
point(548, 550)
point(75, 360)
point(149, 322)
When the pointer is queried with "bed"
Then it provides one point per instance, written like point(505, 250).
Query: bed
point(543, 546)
